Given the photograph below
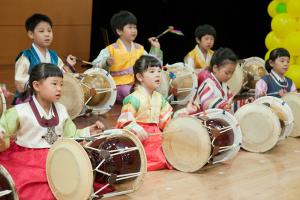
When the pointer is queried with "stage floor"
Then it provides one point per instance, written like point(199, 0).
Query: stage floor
point(257, 176)
point(273, 175)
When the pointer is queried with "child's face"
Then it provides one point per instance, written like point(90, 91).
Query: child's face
point(224, 72)
point(42, 35)
point(206, 42)
point(150, 78)
point(280, 65)
point(49, 89)
point(128, 33)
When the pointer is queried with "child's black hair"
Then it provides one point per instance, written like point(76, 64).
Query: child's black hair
point(121, 19)
point(205, 29)
point(42, 71)
point(222, 56)
point(35, 19)
point(274, 54)
point(143, 63)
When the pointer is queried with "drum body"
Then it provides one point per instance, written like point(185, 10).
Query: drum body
point(178, 84)
point(7, 186)
point(191, 142)
point(293, 100)
point(93, 91)
point(248, 71)
point(282, 110)
point(260, 126)
point(115, 159)
point(2, 104)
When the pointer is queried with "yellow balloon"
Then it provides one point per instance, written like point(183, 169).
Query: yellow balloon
point(292, 43)
point(272, 41)
point(293, 60)
point(268, 54)
point(283, 24)
point(272, 8)
point(297, 60)
point(293, 8)
point(281, 1)
point(294, 74)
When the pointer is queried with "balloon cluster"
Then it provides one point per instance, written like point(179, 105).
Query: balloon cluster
point(285, 33)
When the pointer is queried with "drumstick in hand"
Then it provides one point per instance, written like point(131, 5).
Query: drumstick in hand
point(170, 28)
point(83, 61)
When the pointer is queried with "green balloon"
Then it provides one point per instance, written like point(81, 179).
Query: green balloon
point(281, 8)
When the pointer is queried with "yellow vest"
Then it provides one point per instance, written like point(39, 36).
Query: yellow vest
point(194, 54)
point(124, 60)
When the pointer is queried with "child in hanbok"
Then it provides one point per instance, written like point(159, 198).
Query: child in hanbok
point(276, 83)
point(28, 130)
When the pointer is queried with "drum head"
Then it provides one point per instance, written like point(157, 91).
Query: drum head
point(2, 104)
point(260, 127)
point(186, 144)
point(223, 118)
point(293, 100)
point(103, 83)
point(235, 83)
point(183, 83)
point(283, 111)
point(69, 170)
point(254, 68)
point(7, 186)
point(72, 95)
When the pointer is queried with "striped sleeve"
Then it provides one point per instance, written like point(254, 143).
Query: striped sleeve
point(209, 97)
point(165, 113)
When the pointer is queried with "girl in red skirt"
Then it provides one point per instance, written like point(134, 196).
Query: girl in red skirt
point(35, 126)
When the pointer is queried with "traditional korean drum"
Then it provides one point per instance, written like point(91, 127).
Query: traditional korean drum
point(248, 71)
point(7, 186)
point(178, 84)
point(282, 110)
point(2, 104)
point(94, 91)
point(114, 159)
point(262, 126)
point(191, 142)
point(293, 100)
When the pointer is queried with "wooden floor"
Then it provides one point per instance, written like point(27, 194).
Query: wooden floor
point(249, 176)
point(273, 175)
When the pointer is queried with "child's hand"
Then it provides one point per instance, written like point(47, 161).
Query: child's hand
point(227, 107)
point(96, 128)
point(249, 100)
point(71, 60)
point(5, 91)
point(2, 141)
point(262, 93)
point(154, 42)
point(282, 92)
point(192, 107)
point(110, 61)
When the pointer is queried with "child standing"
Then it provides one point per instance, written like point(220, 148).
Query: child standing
point(145, 112)
point(276, 83)
point(39, 29)
point(200, 56)
point(36, 125)
point(214, 92)
point(119, 57)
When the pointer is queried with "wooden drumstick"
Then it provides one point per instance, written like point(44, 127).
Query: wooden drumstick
point(170, 28)
point(83, 61)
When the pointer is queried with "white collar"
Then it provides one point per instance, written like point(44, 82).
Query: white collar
point(42, 58)
point(41, 110)
point(277, 76)
point(207, 59)
point(131, 48)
